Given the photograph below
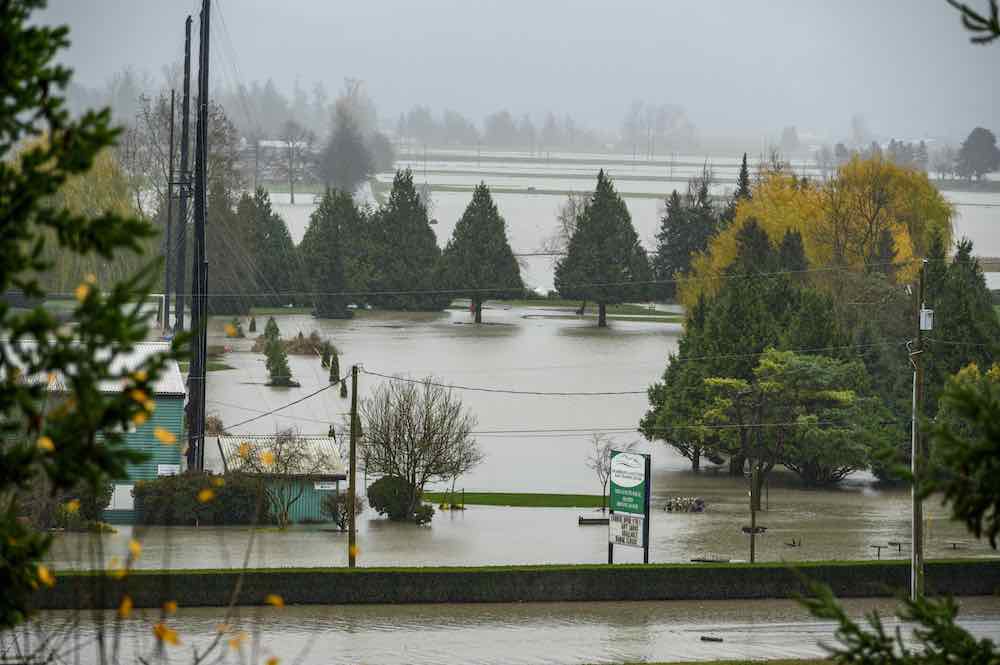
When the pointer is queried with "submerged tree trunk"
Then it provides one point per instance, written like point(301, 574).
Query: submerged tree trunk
point(696, 459)
point(602, 315)
point(479, 310)
point(736, 464)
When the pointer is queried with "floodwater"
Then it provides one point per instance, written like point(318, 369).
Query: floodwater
point(542, 633)
point(531, 444)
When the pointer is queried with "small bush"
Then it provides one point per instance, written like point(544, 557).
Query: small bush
point(43, 509)
point(423, 514)
point(334, 506)
point(390, 496)
point(174, 500)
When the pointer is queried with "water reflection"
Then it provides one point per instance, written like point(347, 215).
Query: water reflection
point(521, 633)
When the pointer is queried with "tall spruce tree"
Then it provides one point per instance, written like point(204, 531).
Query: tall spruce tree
point(605, 262)
point(743, 193)
point(966, 329)
point(478, 259)
point(233, 279)
point(322, 251)
point(673, 250)
point(792, 252)
point(274, 266)
point(407, 272)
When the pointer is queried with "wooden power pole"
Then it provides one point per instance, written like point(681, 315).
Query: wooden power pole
point(168, 239)
point(917, 453)
point(180, 268)
point(352, 534)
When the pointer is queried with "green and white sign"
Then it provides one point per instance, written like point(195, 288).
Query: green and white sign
point(629, 502)
point(628, 483)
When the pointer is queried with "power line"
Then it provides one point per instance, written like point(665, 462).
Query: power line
point(505, 391)
point(285, 406)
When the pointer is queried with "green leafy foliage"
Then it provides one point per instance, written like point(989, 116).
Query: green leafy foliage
point(478, 260)
point(174, 500)
point(79, 439)
point(605, 262)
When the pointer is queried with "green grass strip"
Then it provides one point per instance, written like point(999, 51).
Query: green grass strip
point(519, 500)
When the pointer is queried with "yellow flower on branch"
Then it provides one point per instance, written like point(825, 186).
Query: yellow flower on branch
point(81, 292)
point(45, 443)
point(267, 457)
point(139, 418)
point(73, 506)
point(125, 609)
point(273, 660)
point(45, 575)
point(149, 405)
point(230, 330)
point(218, 481)
point(354, 550)
point(170, 607)
point(165, 437)
point(206, 495)
point(116, 570)
point(140, 376)
point(275, 600)
point(164, 633)
point(134, 548)
point(138, 395)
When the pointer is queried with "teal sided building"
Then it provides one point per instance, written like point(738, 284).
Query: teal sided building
point(169, 394)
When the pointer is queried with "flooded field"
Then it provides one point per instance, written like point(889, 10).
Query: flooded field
point(531, 444)
point(531, 216)
point(542, 633)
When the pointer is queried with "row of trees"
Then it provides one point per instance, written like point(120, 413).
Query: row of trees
point(977, 156)
point(793, 351)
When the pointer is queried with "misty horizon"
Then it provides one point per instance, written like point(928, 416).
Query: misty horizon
point(738, 72)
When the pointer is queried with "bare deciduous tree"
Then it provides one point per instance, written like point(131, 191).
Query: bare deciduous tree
point(417, 431)
point(286, 461)
point(297, 140)
point(599, 460)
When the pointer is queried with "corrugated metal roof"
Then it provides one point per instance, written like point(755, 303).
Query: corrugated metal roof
point(293, 454)
point(169, 383)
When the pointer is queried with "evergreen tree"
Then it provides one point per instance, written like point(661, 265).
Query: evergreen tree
point(253, 324)
point(277, 363)
point(334, 366)
point(792, 253)
point(605, 262)
point(478, 259)
point(742, 193)
point(407, 274)
point(346, 160)
point(754, 251)
point(322, 253)
point(274, 266)
point(232, 281)
point(966, 328)
point(673, 251)
point(271, 330)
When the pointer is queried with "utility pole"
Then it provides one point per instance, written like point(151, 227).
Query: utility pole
point(185, 183)
point(925, 320)
point(754, 506)
point(169, 237)
point(352, 534)
point(199, 301)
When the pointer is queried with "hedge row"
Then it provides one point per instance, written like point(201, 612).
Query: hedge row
point(516, 584)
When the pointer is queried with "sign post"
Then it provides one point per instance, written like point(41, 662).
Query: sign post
point(628, 519)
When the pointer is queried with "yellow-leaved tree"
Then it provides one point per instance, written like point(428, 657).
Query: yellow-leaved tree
point(873, 213)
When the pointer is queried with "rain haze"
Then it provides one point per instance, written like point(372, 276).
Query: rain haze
point(740, 70)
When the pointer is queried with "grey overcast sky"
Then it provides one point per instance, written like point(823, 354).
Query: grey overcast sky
point(738, 67)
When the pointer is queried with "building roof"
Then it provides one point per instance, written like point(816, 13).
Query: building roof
point(290, 454)
point(169, 383)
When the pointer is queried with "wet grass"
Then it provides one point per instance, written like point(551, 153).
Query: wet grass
point(561, 303)
point(519, 500)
